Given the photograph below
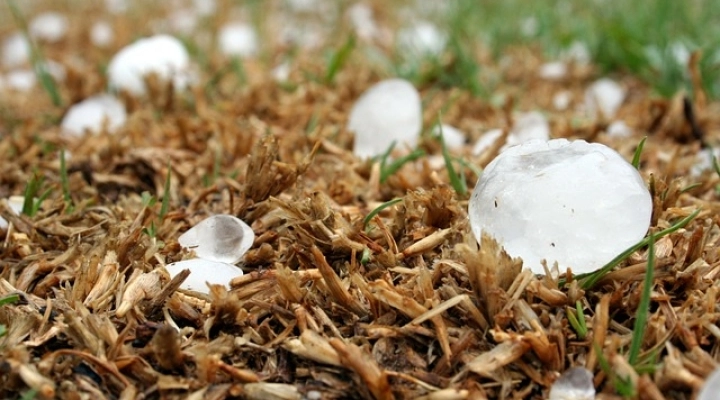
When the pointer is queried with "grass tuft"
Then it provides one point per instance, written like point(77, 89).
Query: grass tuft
point(378, 209)
point(456, 180)
point(638, 152)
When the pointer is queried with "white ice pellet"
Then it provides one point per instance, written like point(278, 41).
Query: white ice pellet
point(577, 203)
point(605, 97)
point(16, 204)
point(619, 129)
point(390, 111)
point(221, 238)
point(561, 100)
point(553, 71)
point(528, 126)
point(453, 137)
point(485, 141)
point(238, 39)
point(49, 26)
point(21, 80)
point(101, 34)
point(203, 272)
point(92, 114)
point(574, 384)
point(362, 20)
point(162, 55)
point(15, 50)
point(422, 39)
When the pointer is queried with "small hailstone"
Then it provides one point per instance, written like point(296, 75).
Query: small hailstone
point(704, 161)
point(485, 141)
point(619, 129)
point(561, 100)
point(390, 111)
point(454, 138)
point(574, 384)
point(528, 126)
point(205, 7)
point(183, 21)
point(16, 204)
point(221, 238)
point(101, 34)
point(577, 52)
point(49, 26)
point(281, 73)
point(361, 18)
point(529, 26)
point(21, 80)
point(604, 96)
point(15, 50)
point(422, 39)
point(680, 52)
point(711, 387)
point(92, 113)
point(203, 272)
point(162, 55)
point(238, 39)
point(576, 203)
point(117, 6)
point(553, 71)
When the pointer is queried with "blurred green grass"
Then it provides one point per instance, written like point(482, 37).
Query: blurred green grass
point(646, 38)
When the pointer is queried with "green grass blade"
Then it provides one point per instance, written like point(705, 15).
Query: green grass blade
point(378, 209)
point(589, 280)
point(638, 151)
point(581, 319)
point(9, 299)
point(641, 314)
point(458, 183)
point(388, 170)
point(339, 58)
point(165, 206)
point(31, 190)
point(38, 61)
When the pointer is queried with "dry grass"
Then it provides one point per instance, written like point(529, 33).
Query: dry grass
point(425, 315)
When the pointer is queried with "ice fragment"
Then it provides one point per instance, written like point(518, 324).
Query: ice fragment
point(221, 238)
point(574, 384)
point(203, 272)
point(91, 113)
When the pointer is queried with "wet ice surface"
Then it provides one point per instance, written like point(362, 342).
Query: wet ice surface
point(220, 238)
point(203, 272)
point(390, 111)
point(576, 203)
point(574, 384)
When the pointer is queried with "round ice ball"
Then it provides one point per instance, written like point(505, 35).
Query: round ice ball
point(577, 203)
point(162, 55)
point(390, 111)
point(92, 113)
point(238, 39)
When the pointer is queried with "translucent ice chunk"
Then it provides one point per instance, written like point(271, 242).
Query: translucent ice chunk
point(576, 203)
point(221, 238)
point(203, 272)
point(574, 384)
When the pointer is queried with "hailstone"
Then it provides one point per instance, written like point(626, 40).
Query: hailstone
point(203, 272)
point(574, 384)
point(91, 113)
point(575, 203)
point(390, 111)
point(162, 55)
point(221, 238)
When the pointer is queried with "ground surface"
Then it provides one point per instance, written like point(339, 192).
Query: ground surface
point(402, 305)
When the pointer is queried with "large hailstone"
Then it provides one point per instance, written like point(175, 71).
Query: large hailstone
point(574, 384)
point(92, 113)
point(576, 203)
point(203, 272)
point(711, 388)
point(390, 111)
point(221, 238)
point(162, 55)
